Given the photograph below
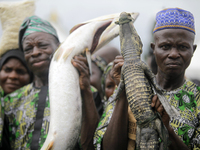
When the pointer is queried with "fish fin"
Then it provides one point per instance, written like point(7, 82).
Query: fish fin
point(58, 53)
point(76, 27)
point(67, 53)
point(88, 56)
point(61, 51)
point(50, 146)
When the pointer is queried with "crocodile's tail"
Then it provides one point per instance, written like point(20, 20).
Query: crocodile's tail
point(146, 136)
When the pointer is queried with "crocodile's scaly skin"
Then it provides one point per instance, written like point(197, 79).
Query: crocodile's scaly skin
point(136, 77)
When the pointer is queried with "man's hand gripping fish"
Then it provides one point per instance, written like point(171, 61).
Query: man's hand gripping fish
point(64, 90)
point(139, 82)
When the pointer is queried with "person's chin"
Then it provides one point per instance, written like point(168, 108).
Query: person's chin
point(11, 89)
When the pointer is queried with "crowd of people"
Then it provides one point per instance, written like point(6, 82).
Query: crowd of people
point(107, 123)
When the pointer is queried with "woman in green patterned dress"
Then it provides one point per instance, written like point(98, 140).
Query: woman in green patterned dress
point(14, 74)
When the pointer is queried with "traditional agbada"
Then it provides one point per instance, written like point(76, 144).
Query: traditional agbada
point(174, 36)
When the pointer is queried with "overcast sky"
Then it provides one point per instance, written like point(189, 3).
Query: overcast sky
point(73, 12)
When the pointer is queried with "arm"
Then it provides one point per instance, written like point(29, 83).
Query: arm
point(116, 135)
point(90, 115)
point(115, 72)
point(176, 142)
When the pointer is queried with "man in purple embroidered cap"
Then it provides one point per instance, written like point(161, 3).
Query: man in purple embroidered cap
point(173, 47)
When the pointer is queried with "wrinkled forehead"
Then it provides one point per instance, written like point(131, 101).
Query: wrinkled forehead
point(176, 33)
point(39, 36)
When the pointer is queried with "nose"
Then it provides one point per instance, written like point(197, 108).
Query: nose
point(174, 53)
point(13, 75)
point(36, 51)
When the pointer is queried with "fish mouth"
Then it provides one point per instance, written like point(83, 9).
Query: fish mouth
point(106, 32)
point(112, 31)
point(97, 36)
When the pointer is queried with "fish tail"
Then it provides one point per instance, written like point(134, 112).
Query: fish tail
point(50, 146)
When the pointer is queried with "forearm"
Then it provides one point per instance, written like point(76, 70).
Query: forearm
point(175, 141)
point(116, 134)
point(90, 120)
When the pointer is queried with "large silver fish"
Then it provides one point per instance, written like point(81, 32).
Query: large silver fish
point(64, 89)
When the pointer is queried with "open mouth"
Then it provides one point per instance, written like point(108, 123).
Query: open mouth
point(98, 35)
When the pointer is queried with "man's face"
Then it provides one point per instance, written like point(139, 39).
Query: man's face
point(173, 50)
point(38, 49)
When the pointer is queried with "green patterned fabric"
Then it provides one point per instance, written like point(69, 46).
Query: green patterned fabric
point(1, 115)
point(100, 62)
point(185, 99)
point(36, 24)
point(20, 108)
point(105, 73)
point(104, 121)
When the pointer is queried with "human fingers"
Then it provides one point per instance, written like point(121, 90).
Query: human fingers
point(123, 95)
point(80, 65)
point(153, 101)
point(160, 109)
point(81, 58)
point(118, 59)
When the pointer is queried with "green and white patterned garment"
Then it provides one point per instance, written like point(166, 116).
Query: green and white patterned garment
point(185, 99)
point(2, 114)
point(20, 108)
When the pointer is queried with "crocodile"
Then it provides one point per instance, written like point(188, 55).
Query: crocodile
point(140, 85)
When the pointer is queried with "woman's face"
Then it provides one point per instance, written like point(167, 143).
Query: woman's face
point(109, 86)
point(13, 75)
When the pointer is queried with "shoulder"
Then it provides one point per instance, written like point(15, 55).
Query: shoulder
point(19, 96)
point(22, 91)
point(1, 92)
point(193, 88)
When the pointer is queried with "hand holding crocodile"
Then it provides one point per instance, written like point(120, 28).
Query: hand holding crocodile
point(115, 72)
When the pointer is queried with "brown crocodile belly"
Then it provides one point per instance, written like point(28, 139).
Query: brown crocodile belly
point(138, 91)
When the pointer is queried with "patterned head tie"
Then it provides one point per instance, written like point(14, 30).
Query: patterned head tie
point(104, 76)
point(174, 18)
point(35, 24)
point(99, 61)
point(15, 53)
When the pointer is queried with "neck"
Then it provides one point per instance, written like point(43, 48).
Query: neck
point(169, 83)
point(40, 81)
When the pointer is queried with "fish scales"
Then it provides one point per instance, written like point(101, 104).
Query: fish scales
point(135, 78)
